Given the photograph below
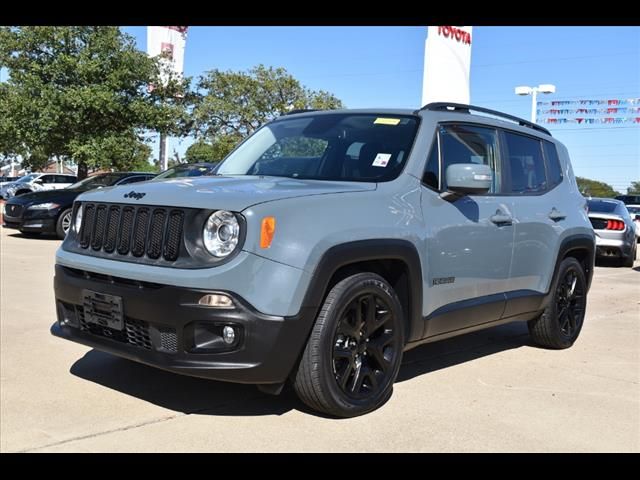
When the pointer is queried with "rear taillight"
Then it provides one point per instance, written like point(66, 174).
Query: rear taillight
point(614, 225)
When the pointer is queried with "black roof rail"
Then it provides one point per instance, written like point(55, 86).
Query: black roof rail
point(302, 110)
point(461, 107)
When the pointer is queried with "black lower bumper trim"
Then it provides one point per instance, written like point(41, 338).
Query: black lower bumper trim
point(265, 353)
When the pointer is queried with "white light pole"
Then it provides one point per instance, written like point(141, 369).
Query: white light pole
point(533, 91)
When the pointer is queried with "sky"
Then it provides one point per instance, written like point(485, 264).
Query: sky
point(383, 67)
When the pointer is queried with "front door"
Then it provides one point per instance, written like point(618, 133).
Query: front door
point(469, 241)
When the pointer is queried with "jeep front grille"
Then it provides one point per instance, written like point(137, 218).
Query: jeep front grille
point(125, 230)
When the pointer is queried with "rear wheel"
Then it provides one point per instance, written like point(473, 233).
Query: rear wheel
point(628, 261)
point(63, 224)
point(561, 322)
point(354, 352)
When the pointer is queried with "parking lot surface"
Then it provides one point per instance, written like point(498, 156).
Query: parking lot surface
point(489, 391)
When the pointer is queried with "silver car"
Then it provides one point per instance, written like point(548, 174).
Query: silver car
point(615, 230)
point(634, 211)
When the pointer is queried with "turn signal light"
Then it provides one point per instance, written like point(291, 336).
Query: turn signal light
point(266, 231)
point(216, 300)
point(615, 225)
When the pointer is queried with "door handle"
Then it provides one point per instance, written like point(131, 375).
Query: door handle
point(555, 215)
point(501, 218)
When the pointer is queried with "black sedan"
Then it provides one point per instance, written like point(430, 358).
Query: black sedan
point(50, 211)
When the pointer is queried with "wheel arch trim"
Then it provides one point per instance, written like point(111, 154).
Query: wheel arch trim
point(348, 253)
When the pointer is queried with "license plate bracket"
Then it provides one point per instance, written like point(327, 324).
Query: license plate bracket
point(103, 309)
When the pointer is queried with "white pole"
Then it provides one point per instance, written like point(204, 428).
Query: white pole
point(534, 95)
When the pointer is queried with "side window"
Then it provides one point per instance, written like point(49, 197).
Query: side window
point(526, 165)
point(135, 179)
point(48, 179)
point(554, 170)
point(64, 179)
point(469, 144)
point(431, 177)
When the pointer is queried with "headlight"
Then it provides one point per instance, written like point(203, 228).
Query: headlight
point(44, 206)
point(78, 220)
point(221, 233)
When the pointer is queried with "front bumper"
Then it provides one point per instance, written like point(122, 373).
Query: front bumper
point(160, 325)
point(41, 221)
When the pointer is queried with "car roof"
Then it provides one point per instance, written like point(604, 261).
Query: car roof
point(458, 113)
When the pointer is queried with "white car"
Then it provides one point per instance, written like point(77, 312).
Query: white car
point(634, 211)
point(36, 182)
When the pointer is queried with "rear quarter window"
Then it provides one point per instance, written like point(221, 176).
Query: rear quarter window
point(554, 170)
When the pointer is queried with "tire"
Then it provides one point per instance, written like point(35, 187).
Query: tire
point(61, 226)
point(561, 322)
point(628, 261)
point(364, 359)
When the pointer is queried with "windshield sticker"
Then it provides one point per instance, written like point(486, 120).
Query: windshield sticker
point(387, 121)
point(381, 160)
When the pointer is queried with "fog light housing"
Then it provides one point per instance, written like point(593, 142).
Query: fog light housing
point(216, 300)
point(228, 335)
point(67, 315)
point(207, 337)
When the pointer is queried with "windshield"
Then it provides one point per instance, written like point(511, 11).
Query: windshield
point(27, 178)
point(633, 210)
point(186, 170)
point(347, 147)
point(602, 206)
point(104, 180)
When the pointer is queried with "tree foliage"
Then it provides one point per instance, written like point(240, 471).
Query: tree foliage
point(634, 188)
point(82, 93)
point(230, 105)
point(595, 188)
point(202, 151)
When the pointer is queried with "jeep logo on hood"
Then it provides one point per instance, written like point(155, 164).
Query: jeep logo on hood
point(135, 195)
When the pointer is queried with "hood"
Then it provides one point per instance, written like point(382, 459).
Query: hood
point(62, 196)
point(234, 193)
point(8, 184)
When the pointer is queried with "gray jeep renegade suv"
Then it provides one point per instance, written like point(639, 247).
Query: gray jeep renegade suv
point(327, 244)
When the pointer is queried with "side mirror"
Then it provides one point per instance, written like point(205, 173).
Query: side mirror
point(38, 181)
point(637, 218)
point(469, 178)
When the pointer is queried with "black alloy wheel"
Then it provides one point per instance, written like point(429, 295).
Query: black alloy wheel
point(561, 321)
point(354, 351)
point(570, 303)
point(363, 352)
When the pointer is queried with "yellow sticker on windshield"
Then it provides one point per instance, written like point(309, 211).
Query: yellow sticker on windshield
point(387, 121)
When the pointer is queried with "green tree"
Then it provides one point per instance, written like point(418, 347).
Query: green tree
point(202, 151)
point(230, 105)
point(82, 93)
point(634, 188)
point(595, 188)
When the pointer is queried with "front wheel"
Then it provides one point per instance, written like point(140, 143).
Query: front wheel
point(354, 352)
point(63, 224)
point(561, 322)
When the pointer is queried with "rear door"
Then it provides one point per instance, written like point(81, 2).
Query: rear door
point(63, 181)
point(534, 185)
point(469, 241)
